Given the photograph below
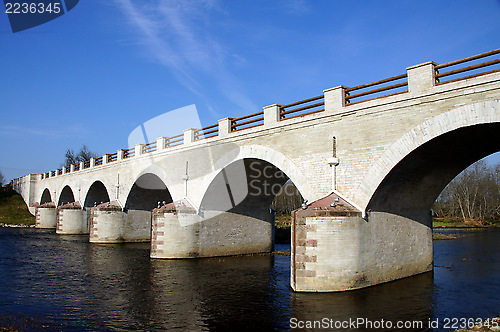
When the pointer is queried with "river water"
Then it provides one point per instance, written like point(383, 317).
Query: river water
point(63, 283)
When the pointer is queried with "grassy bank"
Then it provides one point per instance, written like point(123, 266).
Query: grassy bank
point(13, 210)
point(441, 222)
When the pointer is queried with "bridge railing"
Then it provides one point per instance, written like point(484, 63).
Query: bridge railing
point(86, 164)
point(174, 140)
point(474, 67)
point(305, 107)
point(247, 121)
point(206, 132)
point(112, 157)
point(98, 161)
point(150, 147)
point(383, 88)
point(129, 153)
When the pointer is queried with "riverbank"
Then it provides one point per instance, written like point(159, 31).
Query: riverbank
point(13, 210)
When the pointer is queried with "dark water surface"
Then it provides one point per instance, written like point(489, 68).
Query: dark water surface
point(63, 283)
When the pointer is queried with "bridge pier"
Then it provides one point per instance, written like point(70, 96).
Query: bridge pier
point(179, 232)
point(109, 224)
point(335, 249)
point(71, 219)
point(46, 216)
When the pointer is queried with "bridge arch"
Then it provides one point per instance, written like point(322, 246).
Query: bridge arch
point(147, 190)
point(66, 196)
point(46, 197)
point(269, 158)
point(96, 194)
point(409, 176)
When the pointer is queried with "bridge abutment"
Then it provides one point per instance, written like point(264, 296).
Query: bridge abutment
point(46, 216)
point(179, 232)
point(336, 250)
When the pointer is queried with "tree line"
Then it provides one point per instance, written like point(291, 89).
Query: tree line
point(473, 196)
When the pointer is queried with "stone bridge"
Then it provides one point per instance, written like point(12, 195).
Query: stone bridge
point(370, 161)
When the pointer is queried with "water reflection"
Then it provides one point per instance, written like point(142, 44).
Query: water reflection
point(408, 299)
point(66, 283)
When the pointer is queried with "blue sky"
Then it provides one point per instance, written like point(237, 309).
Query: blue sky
point(96, 73)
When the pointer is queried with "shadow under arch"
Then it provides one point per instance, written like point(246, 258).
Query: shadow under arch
point(412, 186)
point(96, 195)
point(269, 155)
point(46, 198)
point(245, 187)
point(463, 117)
point(66, 196)
point(147, 192)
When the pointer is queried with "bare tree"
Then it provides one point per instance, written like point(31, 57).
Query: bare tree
point(473, 196)
point(287, 199)
point(70, 158)
point(83, 155)
point(2, 179)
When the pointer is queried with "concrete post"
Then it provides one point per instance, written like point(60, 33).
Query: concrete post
point(92, 162)
point(334, 99)
point(104, 159)
point(71, 168)
point(81, 165)
point(138, 149)
point(160, 143)
point(421, 77)
point(271, 114)
point(119, 155)
point(225, 127)
point(63, 170)
point(189, 135)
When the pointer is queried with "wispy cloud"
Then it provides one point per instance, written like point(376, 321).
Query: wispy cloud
point(14, 130)
point(178, 35)
point(297, 7)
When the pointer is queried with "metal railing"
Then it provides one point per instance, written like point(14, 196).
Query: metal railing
point(98, 161)
point(174, 140)
point(377, 92)
point(150, 147)
point(86, 164)
point(252, 120)
point(206, 132)
point(129, 153)
point(468, 71)
point(306, 107)
point(112, 157)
